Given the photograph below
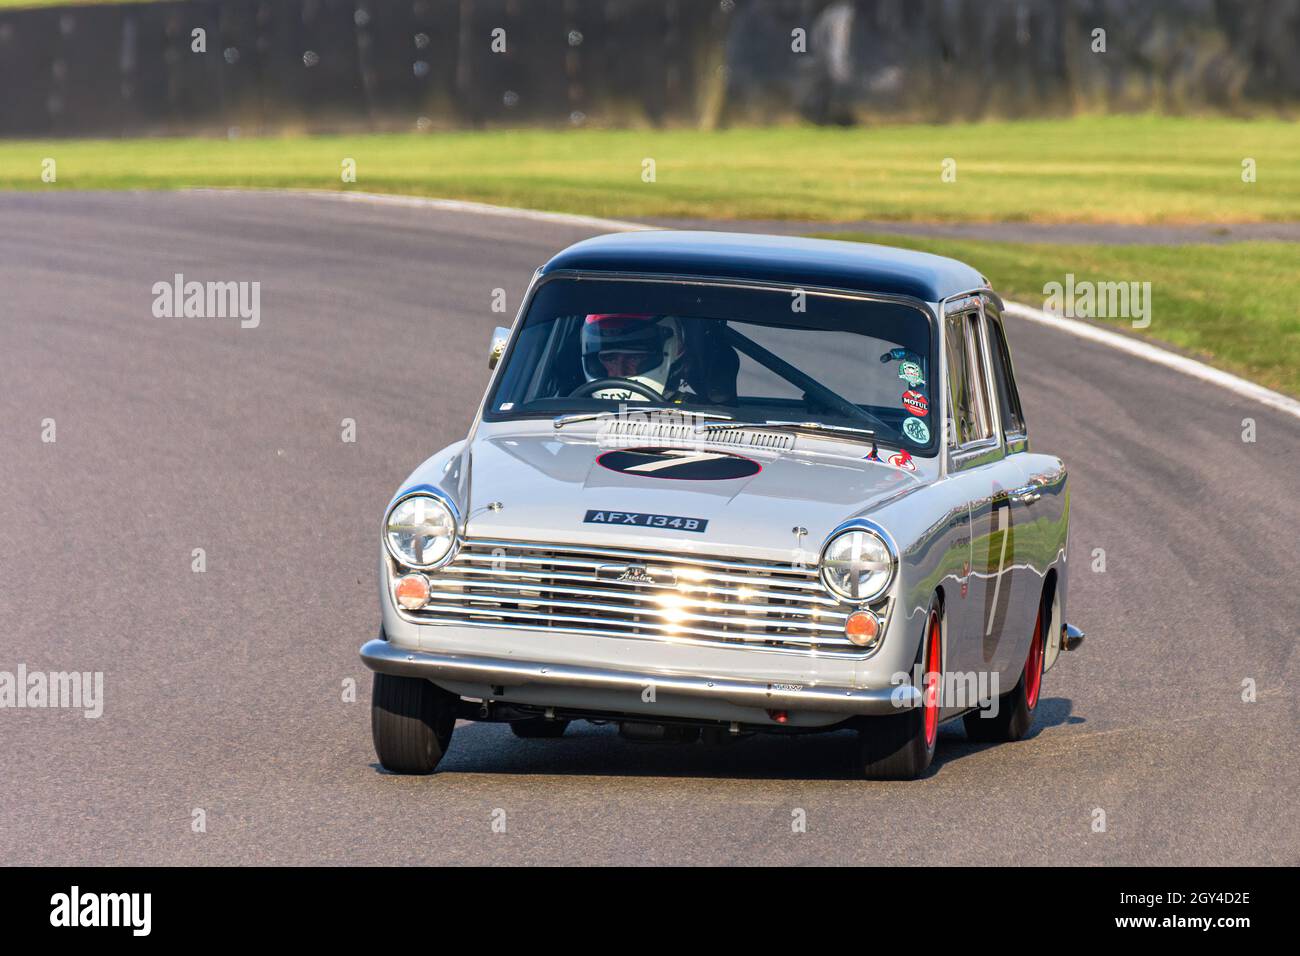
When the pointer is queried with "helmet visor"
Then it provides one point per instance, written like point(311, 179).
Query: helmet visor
point(622, 345)
point(628, 364)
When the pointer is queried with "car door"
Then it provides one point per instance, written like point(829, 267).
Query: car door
point(978, 462)
point(1025, 580)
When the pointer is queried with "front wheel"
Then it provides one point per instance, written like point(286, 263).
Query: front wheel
point(901, 746)
point(411, 721)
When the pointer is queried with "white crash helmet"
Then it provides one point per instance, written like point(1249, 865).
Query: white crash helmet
point(641, 348)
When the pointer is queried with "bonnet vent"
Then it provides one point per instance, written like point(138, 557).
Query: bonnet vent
point(678, 434)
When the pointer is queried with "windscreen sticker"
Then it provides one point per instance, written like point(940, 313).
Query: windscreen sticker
point(917, 430)
point(910, 372)
point(902, 460)
point(640, 520)
point(915, 403)
point(682, 464)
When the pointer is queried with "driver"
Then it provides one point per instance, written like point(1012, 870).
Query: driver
point(646, 349)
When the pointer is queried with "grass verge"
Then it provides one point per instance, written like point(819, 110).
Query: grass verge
point(1127, 169)
point(1232, 305)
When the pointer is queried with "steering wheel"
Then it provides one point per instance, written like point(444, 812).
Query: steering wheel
point(631, 385)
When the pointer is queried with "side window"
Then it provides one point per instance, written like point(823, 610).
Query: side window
point(971, 420)
point(1013, 420)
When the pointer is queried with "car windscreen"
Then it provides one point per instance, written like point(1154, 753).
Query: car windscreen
point(753, 354)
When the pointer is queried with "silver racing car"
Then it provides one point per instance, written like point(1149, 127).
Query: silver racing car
point(725, 484)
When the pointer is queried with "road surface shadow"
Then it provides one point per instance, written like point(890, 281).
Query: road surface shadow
point(597, 750)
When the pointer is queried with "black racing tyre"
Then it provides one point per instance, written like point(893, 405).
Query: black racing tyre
point(1016, 708)
point(535, 728)
point(901, 746)
point(411, 721)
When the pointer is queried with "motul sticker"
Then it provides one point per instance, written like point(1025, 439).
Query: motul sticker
point(915, 403)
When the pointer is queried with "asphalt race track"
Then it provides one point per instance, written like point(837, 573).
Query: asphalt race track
point(224, 689)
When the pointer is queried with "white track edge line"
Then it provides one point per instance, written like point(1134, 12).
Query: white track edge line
point(1158, 356)
point(1123, 343)
point(454, 205)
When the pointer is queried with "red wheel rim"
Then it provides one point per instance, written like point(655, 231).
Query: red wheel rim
point(1034, 665)
point(931, 680)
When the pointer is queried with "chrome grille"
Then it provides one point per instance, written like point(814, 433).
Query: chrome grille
point(664, 596)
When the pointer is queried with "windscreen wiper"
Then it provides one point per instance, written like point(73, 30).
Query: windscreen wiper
point(561, 420)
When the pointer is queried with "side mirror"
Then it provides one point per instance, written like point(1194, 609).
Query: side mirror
point(500, 337)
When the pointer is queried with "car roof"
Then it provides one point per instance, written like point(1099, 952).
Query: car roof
point(857, 266)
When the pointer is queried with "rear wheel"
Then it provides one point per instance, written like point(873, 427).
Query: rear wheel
point(901, 746)
point(533, 728)
point(411, 721)
point(1015, 709)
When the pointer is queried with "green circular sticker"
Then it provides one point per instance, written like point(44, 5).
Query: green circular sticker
point(911, 373)
point(916, 430)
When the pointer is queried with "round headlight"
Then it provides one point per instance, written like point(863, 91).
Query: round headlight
point(857, 565)
point(420, 531)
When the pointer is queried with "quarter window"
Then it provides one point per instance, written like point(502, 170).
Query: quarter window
point(1013, 421)
point(970, 413)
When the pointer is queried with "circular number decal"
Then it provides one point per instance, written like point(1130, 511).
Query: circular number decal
point(683, 464)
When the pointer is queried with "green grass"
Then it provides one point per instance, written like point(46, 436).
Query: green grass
point(1233, 305)
point(1141, 169)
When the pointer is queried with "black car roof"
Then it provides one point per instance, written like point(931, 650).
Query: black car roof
point(858, 266)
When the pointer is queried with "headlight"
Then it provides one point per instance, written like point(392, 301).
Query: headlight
point(420, 531)
point(857, 565)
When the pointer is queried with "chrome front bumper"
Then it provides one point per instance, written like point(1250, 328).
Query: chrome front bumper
point(514, 675)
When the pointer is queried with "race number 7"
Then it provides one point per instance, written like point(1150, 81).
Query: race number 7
point(676, 457)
